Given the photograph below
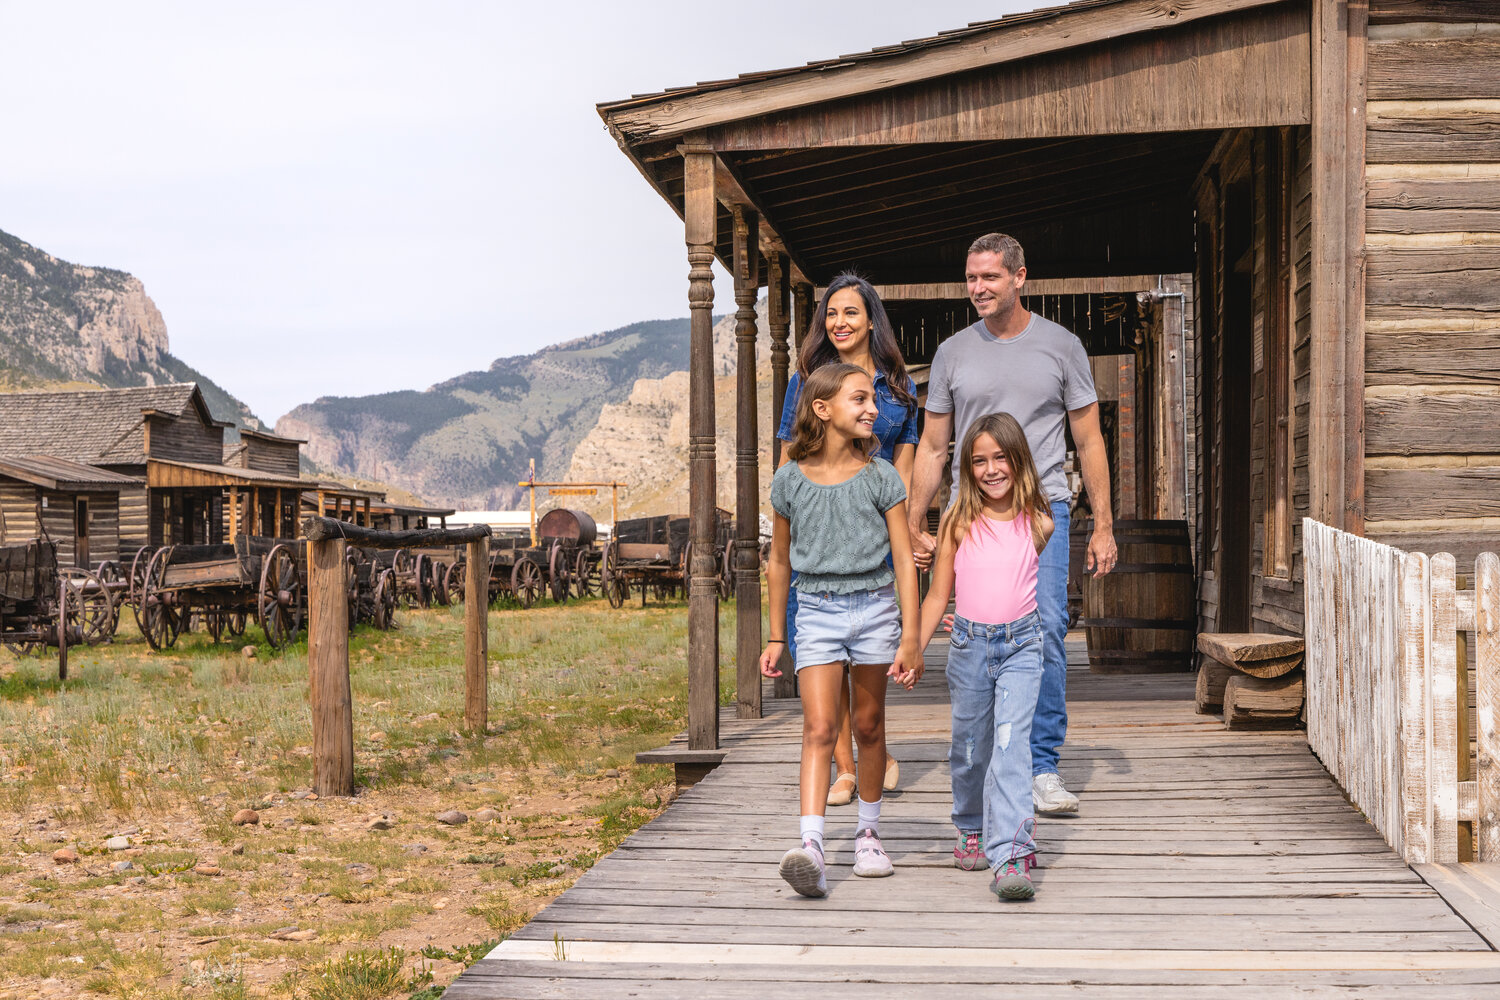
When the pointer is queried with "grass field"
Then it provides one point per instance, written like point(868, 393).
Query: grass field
point(319, 899)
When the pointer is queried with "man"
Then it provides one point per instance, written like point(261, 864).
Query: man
point(1016, 362)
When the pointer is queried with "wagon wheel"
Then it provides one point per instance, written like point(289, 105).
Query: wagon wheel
point(557, 572)
point(385, 600)
point(526, 581)
point(586, 574)
point(726, 573)
point(234, 622)
point(112, 574)
point(437, 582)
point(91, 611)
point(351, 588)
point(612, 582)
point(280, 601)
point(401, 567)
point(424, 581)
point(157, 620)
point(453, 581)
point(138, 574)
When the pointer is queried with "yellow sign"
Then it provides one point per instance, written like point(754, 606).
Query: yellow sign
point(569, 492)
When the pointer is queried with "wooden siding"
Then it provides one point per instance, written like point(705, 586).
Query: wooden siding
point(186, 439)
point(1432, 316)
point(268, 456)
point(17, 513)
point(134, 531)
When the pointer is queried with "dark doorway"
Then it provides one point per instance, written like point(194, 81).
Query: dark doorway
point(1236, 358)
point(81, 533)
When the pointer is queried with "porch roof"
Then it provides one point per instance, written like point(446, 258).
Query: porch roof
point(1070, 128)
point(52, 473)
point(164, 474)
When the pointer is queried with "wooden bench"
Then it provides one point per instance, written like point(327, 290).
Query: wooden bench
point(1254, 679)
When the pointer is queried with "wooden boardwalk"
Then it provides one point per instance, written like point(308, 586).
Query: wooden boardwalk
point(1202, 862)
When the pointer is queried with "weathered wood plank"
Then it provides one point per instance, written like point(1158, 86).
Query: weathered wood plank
point(1434, 11)
point(1447, 277)
point(1433, 357)
point(1487, 703)
point(1434, 68)
point(1259, 654)
point(1463, 132)
point(1429, 423)
point(1465, 492)
point(1255, 701)
point(1442, 740)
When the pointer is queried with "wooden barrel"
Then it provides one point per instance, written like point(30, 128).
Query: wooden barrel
point(1141, 618)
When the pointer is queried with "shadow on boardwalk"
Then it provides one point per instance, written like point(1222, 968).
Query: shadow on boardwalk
point(1202, 862)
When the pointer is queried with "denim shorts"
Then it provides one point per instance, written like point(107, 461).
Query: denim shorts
point(864, 627)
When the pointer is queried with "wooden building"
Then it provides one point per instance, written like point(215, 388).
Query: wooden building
point(1323, 175)
point(75, 505)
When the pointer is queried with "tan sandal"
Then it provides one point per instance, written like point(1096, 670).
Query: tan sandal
point(892, 774)
point(842, 791)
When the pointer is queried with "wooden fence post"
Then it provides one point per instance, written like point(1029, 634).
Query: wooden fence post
point(1487, 703)
point(476, 636)
point(328, 665)
point(1415, 641)
point(1442, 760)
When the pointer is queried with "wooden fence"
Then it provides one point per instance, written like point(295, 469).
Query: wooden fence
point(1387, 690)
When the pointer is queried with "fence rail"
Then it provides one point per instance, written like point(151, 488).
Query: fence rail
point(1387, 689)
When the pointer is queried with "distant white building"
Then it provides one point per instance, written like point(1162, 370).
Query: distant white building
point(507, 522)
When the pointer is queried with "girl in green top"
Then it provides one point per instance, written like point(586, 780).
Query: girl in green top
point(839, 514)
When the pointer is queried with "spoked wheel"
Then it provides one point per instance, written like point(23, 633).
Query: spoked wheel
point(726, 573)
point(351, 588)
point(439, 580)
point(557, 572)
point(526, 581)
point(157, 620)
point(112, 575)
point(234, 622)
point(62, 633)
point(586, 574)
point(385, 600)
point(91, 609)
point(611, 582)
point(424, 581)
point(453, 581)
point(280, 601)
point(138, 574)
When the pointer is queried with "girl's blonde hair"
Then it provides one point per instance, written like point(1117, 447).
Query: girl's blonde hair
point(1026, 486)
point(809, 431)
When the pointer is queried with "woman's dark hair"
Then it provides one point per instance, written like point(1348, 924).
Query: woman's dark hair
point(818, 350)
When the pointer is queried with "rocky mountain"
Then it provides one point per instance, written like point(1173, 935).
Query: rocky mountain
point(643, 440)
point(466, 442)
point(66, 324)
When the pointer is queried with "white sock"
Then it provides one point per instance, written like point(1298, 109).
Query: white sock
point(869, 816)
point(812, 826)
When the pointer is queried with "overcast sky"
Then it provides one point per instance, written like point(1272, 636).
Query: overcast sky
point(329, 198)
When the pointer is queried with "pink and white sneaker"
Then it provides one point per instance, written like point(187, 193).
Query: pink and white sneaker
point(805, 870)
point(870, 859)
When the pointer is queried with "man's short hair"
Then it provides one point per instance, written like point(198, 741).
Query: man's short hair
point(1011, 255)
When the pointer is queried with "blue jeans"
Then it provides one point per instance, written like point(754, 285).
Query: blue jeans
point(994, 672)
point(1051, 723)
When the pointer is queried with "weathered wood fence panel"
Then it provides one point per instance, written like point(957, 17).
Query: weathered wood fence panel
point(1386, 683)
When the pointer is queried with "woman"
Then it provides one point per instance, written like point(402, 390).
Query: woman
point(850, 326)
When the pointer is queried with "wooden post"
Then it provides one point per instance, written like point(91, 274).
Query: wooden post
point(747, 468)
point(1442, 759)
point(1487, 704)
point(254, 511)
point(477, 636)
point(779, 322)
point(328, 667)
point(1416, 640)
point(1174, 403)
point(700, 214)
point(802, 310)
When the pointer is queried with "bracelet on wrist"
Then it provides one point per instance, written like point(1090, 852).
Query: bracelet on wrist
point(770, 641)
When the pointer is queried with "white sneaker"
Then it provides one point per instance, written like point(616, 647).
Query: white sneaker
point(1049, 796)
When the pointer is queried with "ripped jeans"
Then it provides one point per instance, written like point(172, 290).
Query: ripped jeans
point(994, 673)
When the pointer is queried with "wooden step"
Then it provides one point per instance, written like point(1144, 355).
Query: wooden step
point(1263, 703)
point(1259, 654)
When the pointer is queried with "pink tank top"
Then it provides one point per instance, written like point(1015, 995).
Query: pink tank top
point(994, 571)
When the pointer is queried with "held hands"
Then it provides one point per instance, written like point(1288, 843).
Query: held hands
point(907, 668)
point(769, 657)
point(923, 548)
point(1102, 554)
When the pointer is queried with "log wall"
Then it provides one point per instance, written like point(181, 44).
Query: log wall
point(134, 526)
point(186, 439)
point(1432, 314)
point(17, 513)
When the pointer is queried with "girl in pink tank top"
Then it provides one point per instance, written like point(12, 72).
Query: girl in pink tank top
point(988, 546)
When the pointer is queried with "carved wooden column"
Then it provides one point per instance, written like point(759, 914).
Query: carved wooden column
point(779, 320)
point(746, 468)
point(802, 299)
point(779, 316)
point(700, 214)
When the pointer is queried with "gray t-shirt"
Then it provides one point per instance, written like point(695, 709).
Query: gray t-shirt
point(1036, 377)
point(839, 535)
